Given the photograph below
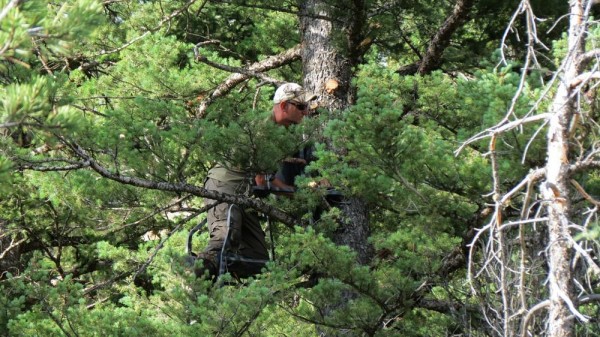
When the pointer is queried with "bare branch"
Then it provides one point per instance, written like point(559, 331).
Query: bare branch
point(44, 168)
point(269, 63)
point(13, 244)
point(237, 70)
point(517, 267)
point(584, 78)
point(587, 57)
point(542, 305)
point(521, 222)
point(532, 177)
point(589, 298)
point(507, 126)
point(584, 193)
point(589, 259)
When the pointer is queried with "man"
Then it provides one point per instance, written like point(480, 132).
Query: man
point(246, 237)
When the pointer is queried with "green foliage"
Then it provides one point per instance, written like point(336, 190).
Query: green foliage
point(5, 174)
point(119, 80)
point(250, 141)
point(35, 34)
point(404, 160)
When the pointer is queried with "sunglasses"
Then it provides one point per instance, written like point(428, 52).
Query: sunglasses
point(300, 106)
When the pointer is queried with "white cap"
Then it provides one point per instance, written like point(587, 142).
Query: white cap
point(292, 92)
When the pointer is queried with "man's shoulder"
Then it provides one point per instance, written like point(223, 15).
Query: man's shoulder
point(223, 173)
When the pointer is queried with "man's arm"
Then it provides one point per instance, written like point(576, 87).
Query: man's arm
point(266, 184)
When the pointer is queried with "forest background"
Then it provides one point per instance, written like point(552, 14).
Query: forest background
point(463, 135)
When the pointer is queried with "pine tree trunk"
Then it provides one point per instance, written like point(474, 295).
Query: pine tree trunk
point(329, 57)
point(556, 189)
point(328, 60)
point(322, 61)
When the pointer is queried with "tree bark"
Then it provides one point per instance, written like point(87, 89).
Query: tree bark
point(441, 40)
point(555, 189)
point(329, 54)
point(322, 61)
point(328, 60)
point(432, 59)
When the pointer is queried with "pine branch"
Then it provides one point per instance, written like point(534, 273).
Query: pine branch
point(440, 41)
point(12, 4)
point(165, 20)
point(258, 205)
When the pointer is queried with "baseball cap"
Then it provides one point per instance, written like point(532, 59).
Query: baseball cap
point(292, 92)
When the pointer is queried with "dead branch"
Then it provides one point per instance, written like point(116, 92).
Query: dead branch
point(584, 78)
point(45, 168)
point(585, 299)
point(511, 224)
point(14, 243)
point(501, 128)
point(531, 178)
point(269, 63)
point(583, 166)
point(586, 58)
point(557, 265)
point(542, 305)
point(584, 193)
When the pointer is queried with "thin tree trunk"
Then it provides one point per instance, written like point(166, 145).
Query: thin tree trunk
point(555, 188)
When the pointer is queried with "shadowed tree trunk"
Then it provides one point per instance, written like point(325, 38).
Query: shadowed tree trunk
point(329, 54)
point(441, 40)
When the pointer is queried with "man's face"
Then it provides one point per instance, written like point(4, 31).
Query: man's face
point(295, 111)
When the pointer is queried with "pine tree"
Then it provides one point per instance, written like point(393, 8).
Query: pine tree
point(113, 112)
